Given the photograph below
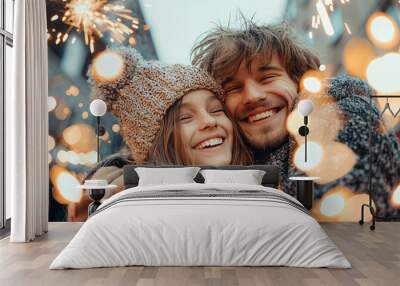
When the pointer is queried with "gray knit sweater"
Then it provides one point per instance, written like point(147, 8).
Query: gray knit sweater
point(352, 98)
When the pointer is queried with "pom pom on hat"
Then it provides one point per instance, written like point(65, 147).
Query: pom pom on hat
point(126, 60)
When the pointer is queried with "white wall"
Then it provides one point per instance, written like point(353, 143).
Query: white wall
point(176, 24)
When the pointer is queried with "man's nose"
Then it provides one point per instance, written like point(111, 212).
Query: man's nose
point(252, 92)
point(207, 121)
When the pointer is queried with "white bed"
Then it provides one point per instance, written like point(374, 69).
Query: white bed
point(249, 226)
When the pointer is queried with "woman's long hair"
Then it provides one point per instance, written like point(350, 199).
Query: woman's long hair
point(168, 147)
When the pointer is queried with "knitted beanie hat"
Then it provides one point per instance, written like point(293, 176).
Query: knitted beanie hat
point(142, 93)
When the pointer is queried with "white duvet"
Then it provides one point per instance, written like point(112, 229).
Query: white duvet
point(200, 231)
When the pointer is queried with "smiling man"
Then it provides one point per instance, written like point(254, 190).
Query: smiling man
point(260, 68)
point(259, 97)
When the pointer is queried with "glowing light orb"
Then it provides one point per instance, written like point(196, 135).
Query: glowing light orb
point(314, 156)
point(332, 205)
point(382, 30)
point(91, 157)
point(132, 41)
point(322, 67)
point(85, 115)
point(312, 84)
point(51, 143)
point(116, 128)
point(80, 138)
point(357, 55)
point(65, 183)
point(62, 156)
point(72, 134)
point(107, 66)
point(334, 167)
point(395, 198)
point(383, 73)
point(51, 103)
point(72, 91)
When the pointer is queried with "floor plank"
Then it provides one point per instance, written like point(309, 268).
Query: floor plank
point(375, 257)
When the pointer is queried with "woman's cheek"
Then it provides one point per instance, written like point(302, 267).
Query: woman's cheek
point(187, 131)
point(226, 124)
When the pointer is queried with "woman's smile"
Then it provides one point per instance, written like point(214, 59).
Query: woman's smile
point(206, 131)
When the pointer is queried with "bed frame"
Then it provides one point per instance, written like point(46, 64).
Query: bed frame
point(270, 179)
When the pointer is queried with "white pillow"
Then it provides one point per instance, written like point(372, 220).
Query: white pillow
point(248, 177)
point(164, 176)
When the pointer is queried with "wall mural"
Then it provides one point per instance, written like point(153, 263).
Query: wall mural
point(231, 107)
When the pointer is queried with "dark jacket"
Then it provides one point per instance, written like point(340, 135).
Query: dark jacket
point(352, 98)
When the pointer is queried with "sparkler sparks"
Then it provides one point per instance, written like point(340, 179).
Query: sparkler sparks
point(94, 18)
point(323, 17)
point(326, 22)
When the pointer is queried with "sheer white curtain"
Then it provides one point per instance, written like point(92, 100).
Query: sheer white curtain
point(27, 123)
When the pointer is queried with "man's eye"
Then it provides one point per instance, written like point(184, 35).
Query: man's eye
point(267, 77)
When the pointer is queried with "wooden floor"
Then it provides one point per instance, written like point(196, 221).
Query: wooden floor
point(375, 257)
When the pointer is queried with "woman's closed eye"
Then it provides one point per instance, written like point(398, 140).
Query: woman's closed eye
point(185, 117)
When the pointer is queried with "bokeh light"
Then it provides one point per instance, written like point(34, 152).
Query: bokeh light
point(357, 55)
point(337, 161)
point(72, 134)
point(85, 115)
point(51, 142)
point(107, 66)
point(72, 91)
point(65, 185)
point(395, 198)
point(116, 128)
point(132, 41)
point(62, 111)
point(341, 204)
point(51, 103)
point(382, 30)
point(332, 205)
point(383, 73)
point(80, 138)
point(71, 157)
point(314, 156)
point(312, 84)
point(62, 156)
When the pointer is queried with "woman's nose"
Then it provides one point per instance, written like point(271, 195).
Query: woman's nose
point(252, 92)
point(207, 121)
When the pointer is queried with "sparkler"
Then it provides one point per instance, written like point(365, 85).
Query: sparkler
point(322, 16)
point(94, 18)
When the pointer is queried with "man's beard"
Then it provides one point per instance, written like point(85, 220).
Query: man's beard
point(259, 155)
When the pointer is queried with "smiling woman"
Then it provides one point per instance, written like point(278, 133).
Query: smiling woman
point(197, 131)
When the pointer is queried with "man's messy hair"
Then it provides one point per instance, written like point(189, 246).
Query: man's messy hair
point(222, 50)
